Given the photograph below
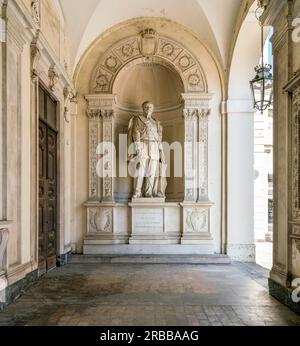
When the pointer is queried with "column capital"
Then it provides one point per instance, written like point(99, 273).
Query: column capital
point(93, 114)
point(107, 114)
point(190, 114)
point(204, 113)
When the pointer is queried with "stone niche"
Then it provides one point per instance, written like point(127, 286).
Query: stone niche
point(165, 73)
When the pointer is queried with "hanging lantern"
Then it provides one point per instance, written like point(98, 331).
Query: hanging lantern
point(262, 84)
point(262, 87)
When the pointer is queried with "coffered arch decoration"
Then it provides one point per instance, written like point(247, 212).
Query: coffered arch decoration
point(148, 47)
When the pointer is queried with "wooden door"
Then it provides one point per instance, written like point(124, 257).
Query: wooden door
point(47, 191)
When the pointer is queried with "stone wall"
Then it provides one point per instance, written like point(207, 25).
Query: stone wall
point(30, 57)
point(286, 265)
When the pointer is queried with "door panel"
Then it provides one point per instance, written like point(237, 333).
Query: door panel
point(47, 188)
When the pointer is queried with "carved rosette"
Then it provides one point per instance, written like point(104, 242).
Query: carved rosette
point(35, 56)
point(296, 154)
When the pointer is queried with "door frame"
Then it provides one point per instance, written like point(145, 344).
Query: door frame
point(51, 94)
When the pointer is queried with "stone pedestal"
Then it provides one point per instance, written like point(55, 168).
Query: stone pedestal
point(148, 221)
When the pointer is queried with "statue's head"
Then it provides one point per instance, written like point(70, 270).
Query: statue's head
point(148, 108)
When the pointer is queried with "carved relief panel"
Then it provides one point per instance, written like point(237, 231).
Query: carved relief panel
point(100, 220)
point(196, 220)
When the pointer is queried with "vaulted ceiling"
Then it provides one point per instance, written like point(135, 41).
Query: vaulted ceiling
point(214, 21)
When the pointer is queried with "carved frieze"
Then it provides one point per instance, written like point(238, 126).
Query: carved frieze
point(168, 49)
point(128, 50)
point(102, 81)
point(149, 44)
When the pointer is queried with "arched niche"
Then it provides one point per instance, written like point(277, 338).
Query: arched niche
point(157, 81)
point(173, 79)
point(109, 79)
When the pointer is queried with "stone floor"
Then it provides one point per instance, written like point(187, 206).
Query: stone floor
point(150, 295)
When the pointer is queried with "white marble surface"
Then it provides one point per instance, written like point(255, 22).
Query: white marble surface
point(147, 249)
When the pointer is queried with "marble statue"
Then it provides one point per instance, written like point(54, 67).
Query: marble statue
point(146, 135)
